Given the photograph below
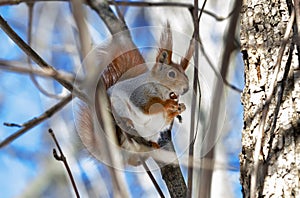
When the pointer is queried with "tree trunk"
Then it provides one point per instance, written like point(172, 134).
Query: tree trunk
point(270, 157)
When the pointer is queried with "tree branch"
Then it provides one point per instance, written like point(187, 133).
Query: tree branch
point(36, 58)
point(152, 178)
point(64, 160)
point(206, 175)
point(194, 99)
point(14, 66)
point(129, 3)
point(171, 172)
point(35, 121)
point(102, 8)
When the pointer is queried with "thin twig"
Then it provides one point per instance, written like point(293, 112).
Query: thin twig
point(196, 87)
point(169, 157)
point(35, 121)
point(157, 187)
point(36, 58)
point(18, 67)
point(30, 6)
point(102, 8)
point(120, 15)
point(12, 125)
point(149, 173)
point(265, 111)
point(84, 35)
point(213, 67)
point(197, 90)
point(64, 160)
point(114, 156)
point(209, 147)
point(233, 87)
point(128, 3)
point(169, 4)
point(201, 11)
point(85, 39)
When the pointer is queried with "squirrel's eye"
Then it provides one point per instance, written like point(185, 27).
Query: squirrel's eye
point(172, 74)
point(173, 95)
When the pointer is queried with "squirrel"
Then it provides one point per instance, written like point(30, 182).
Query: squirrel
point(146, 104)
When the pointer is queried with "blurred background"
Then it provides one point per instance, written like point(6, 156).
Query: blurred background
point(27, 165)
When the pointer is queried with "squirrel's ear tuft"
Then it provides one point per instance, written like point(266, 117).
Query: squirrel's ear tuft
point(185, 61)
point(165, 47)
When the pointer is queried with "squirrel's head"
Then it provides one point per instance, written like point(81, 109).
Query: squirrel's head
point(171, 75)
point(168, 73)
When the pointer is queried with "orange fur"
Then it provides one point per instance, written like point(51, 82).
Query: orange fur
point(120, 65)
point(170, 107)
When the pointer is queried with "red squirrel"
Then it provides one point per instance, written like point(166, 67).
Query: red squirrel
point(146, 104)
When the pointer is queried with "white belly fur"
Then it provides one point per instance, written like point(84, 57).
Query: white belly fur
point(148, 126)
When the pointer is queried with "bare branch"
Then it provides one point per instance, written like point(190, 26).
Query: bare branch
point(104, 11)
point(14, 66)
point(64, 160)
point(130, 3)
point(196, 87)
point(233, 87)
point(114, 155)
point(170, 169)
point(206, 175)
point(84, 36)
point(35, 121)
point(213, 67)
point(36, 58)
point(120, 15)
point(12, 125)
point(152, 178)
point(169, 4)
point(30, 6)
point(170, 158)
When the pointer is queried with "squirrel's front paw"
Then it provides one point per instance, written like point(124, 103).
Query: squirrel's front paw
point(175, 107)
point(181, 107)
